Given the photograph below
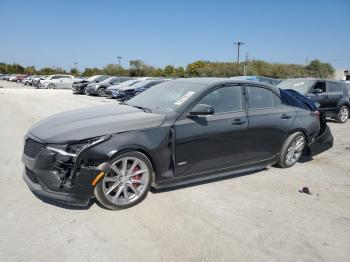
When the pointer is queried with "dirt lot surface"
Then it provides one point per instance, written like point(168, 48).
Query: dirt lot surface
point(255, 217)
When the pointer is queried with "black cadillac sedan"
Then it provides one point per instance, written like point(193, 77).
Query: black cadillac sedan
point(177, 132)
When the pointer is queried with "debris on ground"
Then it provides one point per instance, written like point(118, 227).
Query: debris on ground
point(305, 190)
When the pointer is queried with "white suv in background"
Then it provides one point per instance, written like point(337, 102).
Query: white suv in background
point(57, 81)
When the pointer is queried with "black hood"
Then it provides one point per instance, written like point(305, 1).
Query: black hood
point(91, 122)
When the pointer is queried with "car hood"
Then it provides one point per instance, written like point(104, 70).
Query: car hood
point(76, 125)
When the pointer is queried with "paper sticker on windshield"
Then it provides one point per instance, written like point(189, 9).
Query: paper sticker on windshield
point(299, 84)
point(184, 98)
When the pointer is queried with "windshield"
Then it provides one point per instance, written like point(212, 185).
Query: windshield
point(101, 78)
point(108, 79)
point(167, 96)
point(92, 78)
point(129, 83)
point(141, 84)
point(300, 85)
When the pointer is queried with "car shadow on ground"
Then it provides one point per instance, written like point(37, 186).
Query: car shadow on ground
point(303, 159)
point(62, 205)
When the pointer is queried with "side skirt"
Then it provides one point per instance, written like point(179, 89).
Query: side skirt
point(191, 179)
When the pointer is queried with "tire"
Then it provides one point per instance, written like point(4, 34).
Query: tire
point(51, 86)
point(292, 150)
point(115, 190)
point(343, 114)
point(101, 91)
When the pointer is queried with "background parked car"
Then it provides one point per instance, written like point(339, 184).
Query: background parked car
point(112, 90)
point(127, 92)
point(79, 86)
point(262, 79)
point(62, 83)
point(100, 88)
point(50, 81)
point(333, 96)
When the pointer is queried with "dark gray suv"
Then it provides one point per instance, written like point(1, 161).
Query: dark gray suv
point(333, 96)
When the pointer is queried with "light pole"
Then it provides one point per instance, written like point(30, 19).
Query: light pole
point(238, 43)
point(119, 59)
point(76, 66)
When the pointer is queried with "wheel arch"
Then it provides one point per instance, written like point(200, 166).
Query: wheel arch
point(143, 151)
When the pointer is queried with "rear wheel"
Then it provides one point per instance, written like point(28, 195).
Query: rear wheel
point(51, 86)
point(343, 114)
point(126, 183)
point(292, 150)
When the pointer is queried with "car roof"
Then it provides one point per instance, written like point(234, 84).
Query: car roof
point(214, 80)
point(312, 79)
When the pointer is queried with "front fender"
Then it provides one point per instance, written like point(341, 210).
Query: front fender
point(155, 143)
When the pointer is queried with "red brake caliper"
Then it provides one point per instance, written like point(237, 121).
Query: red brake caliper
point(137, 177)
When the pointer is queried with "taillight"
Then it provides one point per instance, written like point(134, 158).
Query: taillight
point(317, 113)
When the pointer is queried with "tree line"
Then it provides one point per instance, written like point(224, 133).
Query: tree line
point(199, 68)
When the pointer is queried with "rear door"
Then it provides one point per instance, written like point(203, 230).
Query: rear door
point(269, 122)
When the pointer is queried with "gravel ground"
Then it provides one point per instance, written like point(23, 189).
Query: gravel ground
point(256, 217)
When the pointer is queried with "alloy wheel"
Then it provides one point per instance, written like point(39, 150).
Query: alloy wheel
point(344, 114)
point(295, 150)
point(126, 181)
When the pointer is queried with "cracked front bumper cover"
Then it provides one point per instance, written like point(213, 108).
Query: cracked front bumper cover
point(55, 196)
point(65, 184)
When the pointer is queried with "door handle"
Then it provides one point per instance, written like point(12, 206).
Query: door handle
point(285, 116)
point(238, 122)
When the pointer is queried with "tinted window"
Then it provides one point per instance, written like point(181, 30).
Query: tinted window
point(259, 97)
point(224, 99)
point(334, 87)
point(300, 85)
point(320, 85)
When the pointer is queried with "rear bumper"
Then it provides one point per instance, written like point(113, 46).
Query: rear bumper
point(321, 143)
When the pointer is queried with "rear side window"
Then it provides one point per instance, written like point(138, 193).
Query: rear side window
point(224, 99)
point(259, 97)
point(334, 87)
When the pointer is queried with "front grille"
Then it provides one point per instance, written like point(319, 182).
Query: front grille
point(31, 176)
point(32, 147)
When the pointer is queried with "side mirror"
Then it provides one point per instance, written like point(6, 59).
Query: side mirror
point(201, 110)
point(317, 91)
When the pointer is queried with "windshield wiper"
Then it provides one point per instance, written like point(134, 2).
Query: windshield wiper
point(145, 109)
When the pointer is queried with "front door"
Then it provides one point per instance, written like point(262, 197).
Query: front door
point(321, 98)
point(212, 142)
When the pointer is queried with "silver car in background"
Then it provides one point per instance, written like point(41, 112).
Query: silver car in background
point(57, 81)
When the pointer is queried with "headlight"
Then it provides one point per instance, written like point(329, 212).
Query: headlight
point(73, 150)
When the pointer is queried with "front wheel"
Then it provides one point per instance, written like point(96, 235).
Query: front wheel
point(127, 181)
point(343, 114)
point(292, 150)
point(51, 86)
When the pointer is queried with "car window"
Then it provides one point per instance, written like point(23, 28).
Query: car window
point(334, 87)
point(320, 85)
point(259, 97)
point(224, 99)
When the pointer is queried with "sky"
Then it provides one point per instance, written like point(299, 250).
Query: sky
point(94, 33)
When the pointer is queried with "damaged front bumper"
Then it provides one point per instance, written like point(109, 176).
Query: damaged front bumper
point(59, 178)
point(322, 143)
